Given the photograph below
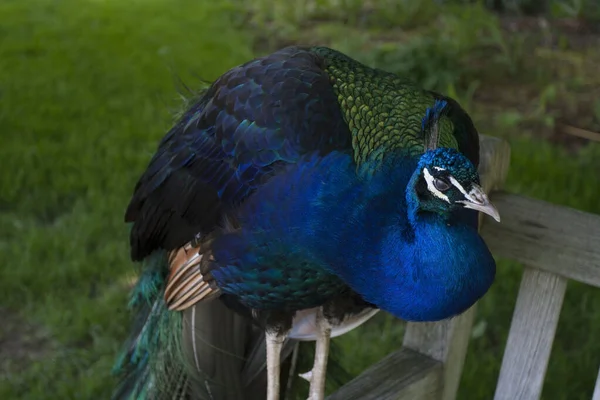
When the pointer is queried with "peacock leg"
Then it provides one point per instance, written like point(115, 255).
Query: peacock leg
point(317, 375)
point(275, 341)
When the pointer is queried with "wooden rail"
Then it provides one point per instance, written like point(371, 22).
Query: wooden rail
point(555, 244)
point(552, 238)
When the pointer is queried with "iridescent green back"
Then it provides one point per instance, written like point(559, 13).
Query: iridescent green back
point(385, 112)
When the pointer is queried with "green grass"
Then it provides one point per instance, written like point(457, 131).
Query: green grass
point(87, 88)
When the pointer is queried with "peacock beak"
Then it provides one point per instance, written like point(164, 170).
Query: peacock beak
point(477, 200)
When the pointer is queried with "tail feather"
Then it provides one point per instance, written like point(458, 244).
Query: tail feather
point(148, 365)
point(226, 354)
point(213, 345)
point(207, 352)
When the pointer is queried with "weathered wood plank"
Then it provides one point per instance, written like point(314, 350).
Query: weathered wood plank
point(596, 395)
point(447, 341)
point(545, 236)
point(531, 335)
point(494, 162)
point(404, 374)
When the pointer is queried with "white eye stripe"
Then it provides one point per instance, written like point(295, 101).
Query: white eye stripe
point(431, 187)
point(439, 168)
point(473, 196)
point(458, 186)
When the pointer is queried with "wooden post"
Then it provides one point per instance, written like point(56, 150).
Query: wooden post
point(531, 335)
point(447, 341)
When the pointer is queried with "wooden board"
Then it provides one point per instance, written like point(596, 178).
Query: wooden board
point(531, 335)
point(546, 236)
point(404, 374)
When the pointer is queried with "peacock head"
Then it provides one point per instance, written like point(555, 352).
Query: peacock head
point(445, 180)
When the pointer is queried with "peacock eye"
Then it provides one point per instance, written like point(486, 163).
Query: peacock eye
point(441, 184)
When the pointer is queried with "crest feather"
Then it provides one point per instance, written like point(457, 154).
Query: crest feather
point(430, 124)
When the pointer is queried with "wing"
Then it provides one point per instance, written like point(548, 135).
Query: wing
point(255, 118)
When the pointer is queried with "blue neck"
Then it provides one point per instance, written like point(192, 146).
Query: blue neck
point(440, 273)
point(419, 266)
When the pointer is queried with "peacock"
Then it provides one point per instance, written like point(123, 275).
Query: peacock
point(300, 186)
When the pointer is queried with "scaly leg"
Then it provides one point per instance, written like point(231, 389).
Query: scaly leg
point(317, 375)
point(274, 345)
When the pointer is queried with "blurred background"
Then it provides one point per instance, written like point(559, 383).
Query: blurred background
point(88, 87)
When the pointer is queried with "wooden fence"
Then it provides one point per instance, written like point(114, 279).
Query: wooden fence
point(554, 243)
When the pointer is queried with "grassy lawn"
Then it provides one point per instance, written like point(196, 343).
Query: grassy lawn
point(87, 88)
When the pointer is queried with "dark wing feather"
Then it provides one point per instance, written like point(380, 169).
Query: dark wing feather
point(255, 117)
